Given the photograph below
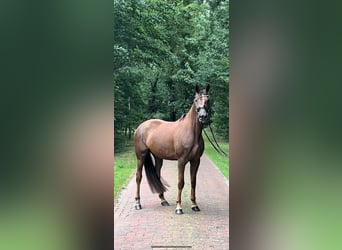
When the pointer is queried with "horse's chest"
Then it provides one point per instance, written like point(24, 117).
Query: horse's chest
point(196, 151)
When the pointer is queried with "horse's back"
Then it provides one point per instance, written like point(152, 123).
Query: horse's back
point(158, 136)
point(153, 124)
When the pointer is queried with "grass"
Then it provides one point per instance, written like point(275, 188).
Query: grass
point(124, 167)
point(222, 162)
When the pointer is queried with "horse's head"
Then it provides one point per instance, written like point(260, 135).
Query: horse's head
point(201, 103)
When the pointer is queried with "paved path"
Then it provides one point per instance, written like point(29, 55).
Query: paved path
point(158, 227)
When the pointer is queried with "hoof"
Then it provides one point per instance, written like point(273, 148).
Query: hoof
point(137, 206)
point(165, 203)
point(196, 209)
point(179, 211)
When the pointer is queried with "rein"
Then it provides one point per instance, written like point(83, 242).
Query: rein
point(217, 146)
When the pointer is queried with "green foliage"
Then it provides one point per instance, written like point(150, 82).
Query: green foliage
point(162, 49)
point(124, 167)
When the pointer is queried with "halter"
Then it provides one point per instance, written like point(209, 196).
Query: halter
point(200, 97)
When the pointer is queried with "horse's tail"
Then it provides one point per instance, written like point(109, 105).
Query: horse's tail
point(152, 178)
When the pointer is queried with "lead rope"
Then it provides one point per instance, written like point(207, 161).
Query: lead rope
point(217, 146)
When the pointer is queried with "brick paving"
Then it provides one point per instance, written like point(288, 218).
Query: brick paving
point(158, 227)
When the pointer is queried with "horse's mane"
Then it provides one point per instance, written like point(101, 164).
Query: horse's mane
point(182, 117)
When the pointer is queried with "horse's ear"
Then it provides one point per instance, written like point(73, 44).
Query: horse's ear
point(207, 88)
point(197, 89)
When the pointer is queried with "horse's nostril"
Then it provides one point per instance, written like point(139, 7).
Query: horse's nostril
point(202, 117)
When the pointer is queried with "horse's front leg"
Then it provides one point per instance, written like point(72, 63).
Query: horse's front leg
point(194, 164)
point(181, 166)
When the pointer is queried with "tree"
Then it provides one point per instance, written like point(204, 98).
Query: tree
point(162, 49)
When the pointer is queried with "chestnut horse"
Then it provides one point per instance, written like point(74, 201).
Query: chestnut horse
point(180, 140)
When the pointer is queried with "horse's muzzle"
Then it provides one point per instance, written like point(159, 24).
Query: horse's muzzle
point(202, 118)
point(202, 115)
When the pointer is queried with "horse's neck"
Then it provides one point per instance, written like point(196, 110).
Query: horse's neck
point(193, 121)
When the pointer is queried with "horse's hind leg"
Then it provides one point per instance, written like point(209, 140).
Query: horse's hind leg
point(159, 164)
point(140, 161)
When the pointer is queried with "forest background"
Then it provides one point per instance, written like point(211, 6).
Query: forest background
point(162, 49)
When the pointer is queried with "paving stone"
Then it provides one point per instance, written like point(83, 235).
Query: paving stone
point(155, 225)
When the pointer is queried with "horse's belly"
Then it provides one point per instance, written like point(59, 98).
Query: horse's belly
point(163, 151)
point(164, 155)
